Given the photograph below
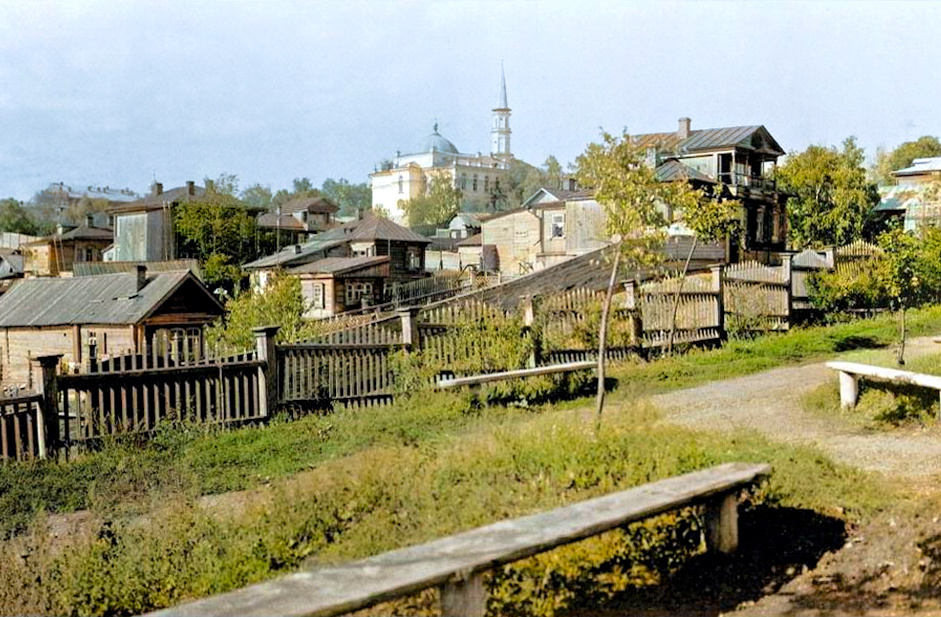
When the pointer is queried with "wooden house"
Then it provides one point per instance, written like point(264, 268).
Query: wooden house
point(300, 218)
point(55, 255)
point(739, 161)
point(337, 284)
point(97, 316)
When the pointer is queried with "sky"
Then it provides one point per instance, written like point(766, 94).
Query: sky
point(117, 93)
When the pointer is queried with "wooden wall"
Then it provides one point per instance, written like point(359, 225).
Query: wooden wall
point(19, 346)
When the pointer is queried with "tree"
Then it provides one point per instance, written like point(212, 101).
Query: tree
point(523, 179)
point(552, 170)
point(14, 218)
point(437, 206)
point(77, 212)
point(902, 262)
point(221, 232)
point(257, 195)
point(225, 184)
point(351, 198)
point(903, 156)
point(830, 198)
point(634, 202)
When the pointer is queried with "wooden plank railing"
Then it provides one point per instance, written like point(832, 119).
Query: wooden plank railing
point(457, 563)
point(21, 434)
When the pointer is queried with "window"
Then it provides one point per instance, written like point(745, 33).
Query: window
point(357, 290)
point(558, 226)
point(486, 184)
point(463, 182)
point(401, 185)
point(475, 183)
point(413, 259)
point(317, 296)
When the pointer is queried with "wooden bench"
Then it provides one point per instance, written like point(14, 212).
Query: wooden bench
point(477, 380)
point(457, 563)
point(850, 372)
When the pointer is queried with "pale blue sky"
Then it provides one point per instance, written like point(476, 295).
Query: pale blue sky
point(109, 92)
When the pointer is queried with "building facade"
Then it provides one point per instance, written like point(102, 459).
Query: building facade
point(478, 176)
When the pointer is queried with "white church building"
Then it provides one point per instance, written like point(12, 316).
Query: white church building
point(478, 176)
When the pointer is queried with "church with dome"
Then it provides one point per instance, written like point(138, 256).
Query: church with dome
point(478, 176)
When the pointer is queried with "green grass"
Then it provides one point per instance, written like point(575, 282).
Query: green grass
point(128, 477)
point(388, 496)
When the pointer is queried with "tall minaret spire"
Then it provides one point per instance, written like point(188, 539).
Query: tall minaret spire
point(500, 132)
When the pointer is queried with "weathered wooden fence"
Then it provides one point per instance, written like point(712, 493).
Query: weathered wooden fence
point(21, 427)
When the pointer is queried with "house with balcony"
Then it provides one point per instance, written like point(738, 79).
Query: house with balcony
point(299, 219)
point(739, 161)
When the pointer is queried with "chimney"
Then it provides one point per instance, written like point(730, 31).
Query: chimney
point(573, 185)
point(60, 229)
point(683, 131)
point(190, 187)
point(89, 220)
point(156, 189)
point(651, 158)
point(141, 276)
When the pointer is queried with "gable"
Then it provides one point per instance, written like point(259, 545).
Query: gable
point(189, 299)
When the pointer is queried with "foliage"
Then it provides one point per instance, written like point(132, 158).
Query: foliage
point(350, 198)
point(713, 218)
point(281, 304)
point(226, 184)
point(218, 230)
point(523, 180)
point(15, 218)
point(903, 156)
point(437, 207)
point(257, 195)
point(830, 198)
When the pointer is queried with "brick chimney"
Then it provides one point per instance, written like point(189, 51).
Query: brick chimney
point(141, 276)
point(683, 131)
point(156, 189)
point(190, 187)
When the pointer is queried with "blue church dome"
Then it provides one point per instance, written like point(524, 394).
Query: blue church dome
point(438, 143)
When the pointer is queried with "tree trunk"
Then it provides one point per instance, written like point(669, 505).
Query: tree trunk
point(900, 358)
point(603, 335)
point(676, 296)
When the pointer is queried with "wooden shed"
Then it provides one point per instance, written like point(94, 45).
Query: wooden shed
point(104, 315)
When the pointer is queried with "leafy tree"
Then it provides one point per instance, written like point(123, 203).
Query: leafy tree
point(351, 198)
point(903, 277)
point(552, 170)
point(831, 199)
point(220, 231)
point(523, 179)
point(14, 218)
point(903, 156)
point(225, 184)
point(77, 212)
point(257, 195)
point(634, 202)
point(437, 206)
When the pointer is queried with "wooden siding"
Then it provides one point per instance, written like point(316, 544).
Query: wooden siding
point(19, 346)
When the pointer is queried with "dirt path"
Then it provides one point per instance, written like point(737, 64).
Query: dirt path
point(770, 403)
point(892, 566)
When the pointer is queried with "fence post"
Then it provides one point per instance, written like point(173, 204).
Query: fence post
point(830, 256)
point(268, 374)
point(528, 306)
point(717, 287)
point(410, 334)
point(636, 322)
point(789, 286)
point(48, 418)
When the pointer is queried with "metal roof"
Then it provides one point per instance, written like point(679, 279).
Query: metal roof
point(920, 166)
point(95, 268)
point(102, 299)
point(675, 170)
point(371, 228)
point(318, 203)
point(755, 137)
point(299, 253)
point(339, 265)
point(179, 194)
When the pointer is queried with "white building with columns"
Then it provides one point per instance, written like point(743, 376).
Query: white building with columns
point(478, 176)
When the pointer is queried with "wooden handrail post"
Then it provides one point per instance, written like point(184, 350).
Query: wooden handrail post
point(717, 287)
point(410, 334)
point(722, 523)
point(48, 429)
point(268, 398)
point(464, 598)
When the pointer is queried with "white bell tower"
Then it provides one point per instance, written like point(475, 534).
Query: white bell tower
point(500, 132)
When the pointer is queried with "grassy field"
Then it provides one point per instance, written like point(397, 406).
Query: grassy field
point(359, 482)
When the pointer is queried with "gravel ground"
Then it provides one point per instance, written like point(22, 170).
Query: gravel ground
point(770, 403)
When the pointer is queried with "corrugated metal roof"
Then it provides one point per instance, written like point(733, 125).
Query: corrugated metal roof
point(291, 254)
point(103, 299)
point(712, 139)
point(339, 265)
point(285, 221)
point(95, 268)
point(179, 194)
point(675, 170)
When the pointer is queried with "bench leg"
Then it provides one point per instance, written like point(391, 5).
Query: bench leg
point(466, 598)
point(722, 524)
point(849, 390)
